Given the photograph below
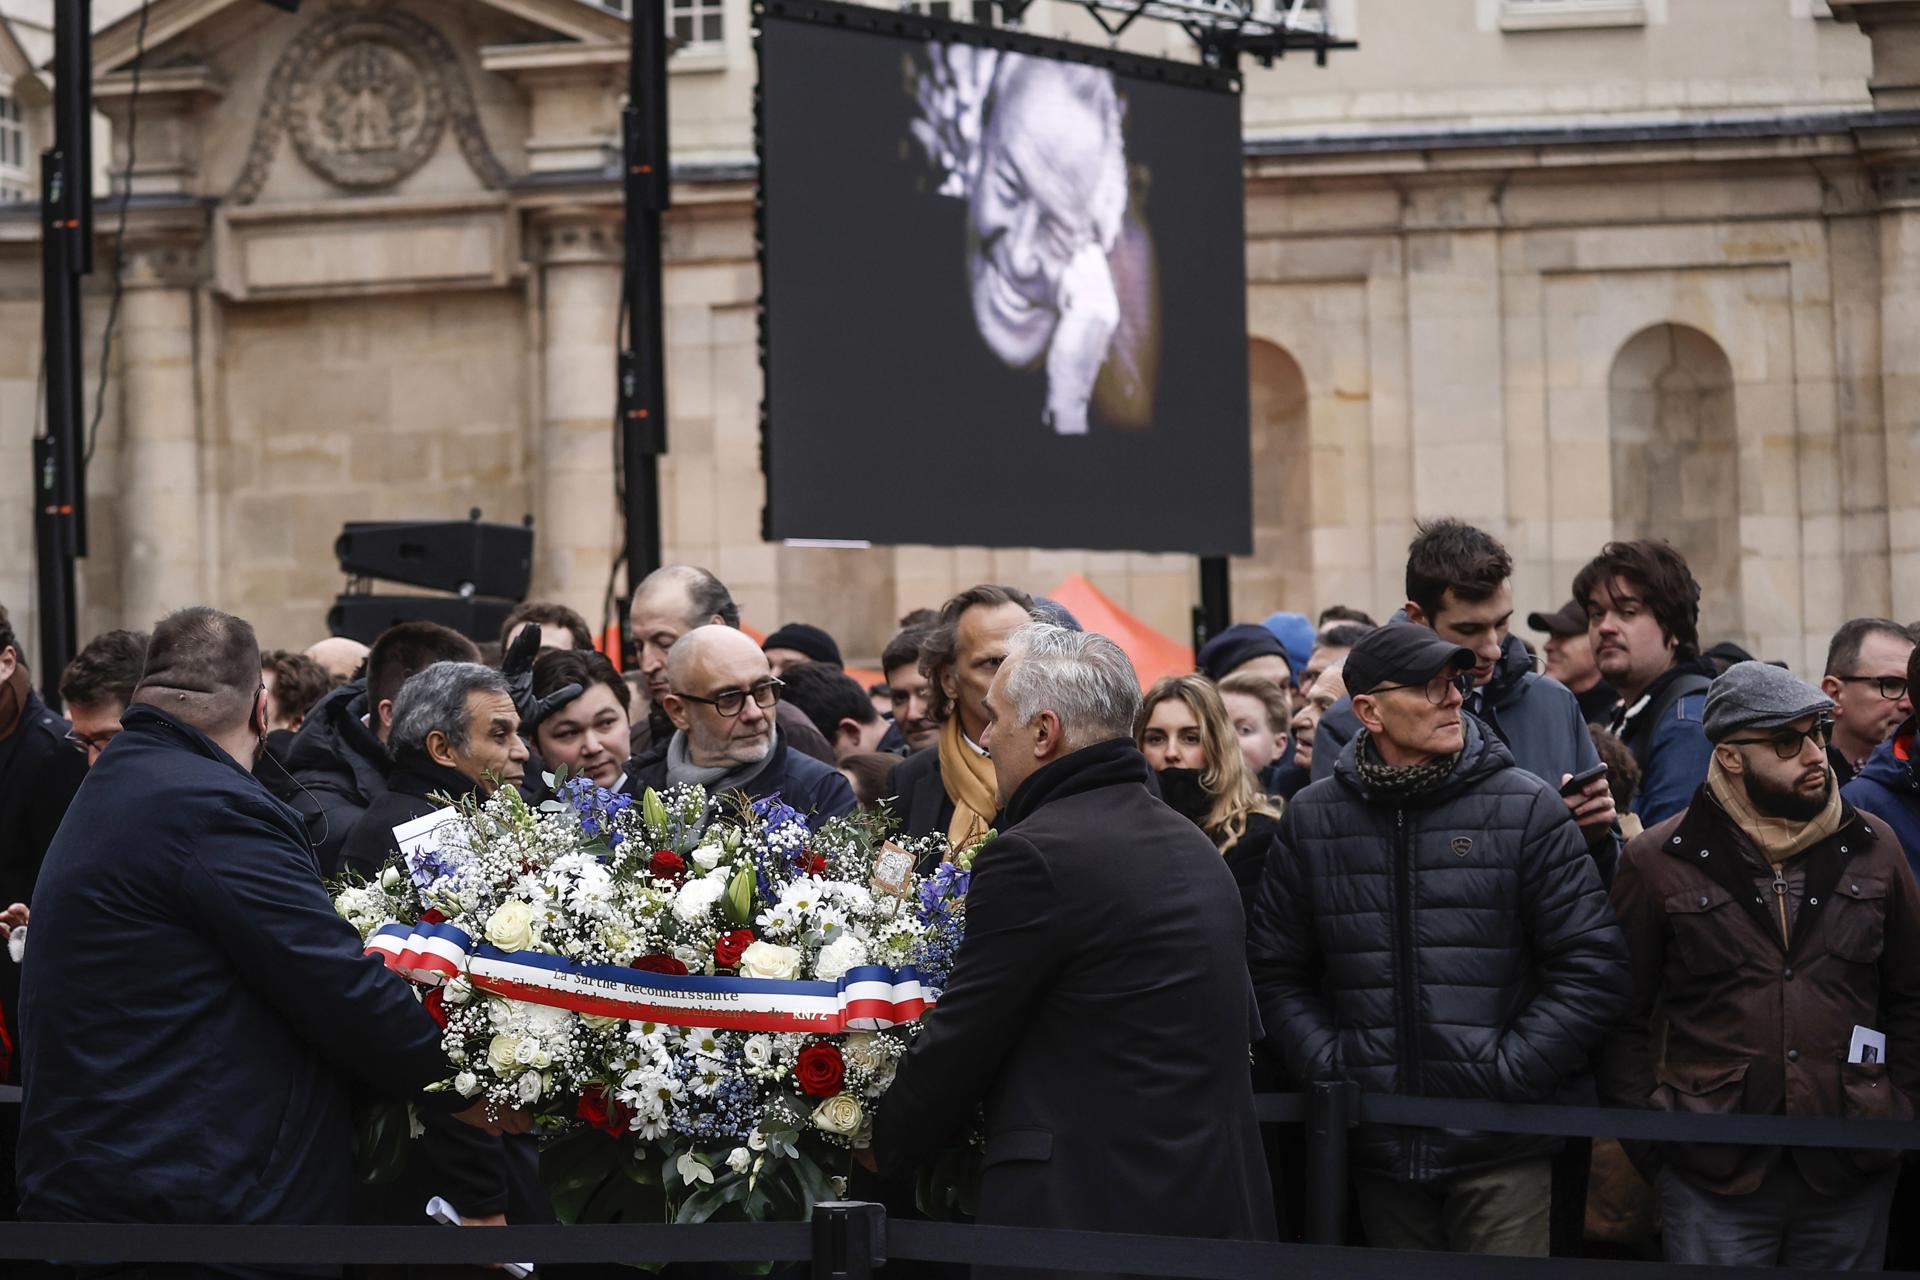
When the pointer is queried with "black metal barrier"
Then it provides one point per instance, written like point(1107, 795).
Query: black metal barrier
point(849, 1240)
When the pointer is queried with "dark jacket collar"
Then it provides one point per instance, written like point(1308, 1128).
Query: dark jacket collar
point(149, 720)
point(334, 739)
point(1113, 763)
point(1482, 755)
point(1888, 769)
point(1708, 838)
point(1510, 674)
point(416, 774)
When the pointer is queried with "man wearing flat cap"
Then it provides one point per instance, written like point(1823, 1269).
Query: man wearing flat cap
point(1775, 930)
point(1431, 924)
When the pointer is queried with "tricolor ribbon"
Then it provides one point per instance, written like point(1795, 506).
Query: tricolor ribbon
point(866, 998)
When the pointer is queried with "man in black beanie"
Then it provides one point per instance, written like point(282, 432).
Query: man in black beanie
point(799, 642)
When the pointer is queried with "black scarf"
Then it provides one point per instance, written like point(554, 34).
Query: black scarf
point(1398, 782)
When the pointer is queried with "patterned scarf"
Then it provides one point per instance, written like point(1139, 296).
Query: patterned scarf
point(1399, 783)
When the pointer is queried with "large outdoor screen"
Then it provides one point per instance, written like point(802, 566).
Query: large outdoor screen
point(1005, 289)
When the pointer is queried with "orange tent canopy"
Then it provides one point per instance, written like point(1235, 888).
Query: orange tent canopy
point(1153, 654)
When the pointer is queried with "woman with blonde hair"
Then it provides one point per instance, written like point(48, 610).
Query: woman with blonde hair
point(1188, 738)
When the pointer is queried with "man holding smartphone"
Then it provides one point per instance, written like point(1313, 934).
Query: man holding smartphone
point(1459, 586)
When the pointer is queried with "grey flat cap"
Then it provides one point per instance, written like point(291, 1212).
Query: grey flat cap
point(1759, 695)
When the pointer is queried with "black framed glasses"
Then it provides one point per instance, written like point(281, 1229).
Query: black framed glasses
point(1436, 688)
point(1892, 688)
point(1786, 743)
point(92, 741)
point(731, 702)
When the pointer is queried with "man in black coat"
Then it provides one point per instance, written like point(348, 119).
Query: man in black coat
point(721, 693)
point(39, 772)
point(338, 761)
point(1430, 924)
point(1099, 1005)
point(195, 1008)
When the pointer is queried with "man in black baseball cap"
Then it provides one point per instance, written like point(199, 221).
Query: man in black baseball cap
point(1429, 838)
point(1570, 660)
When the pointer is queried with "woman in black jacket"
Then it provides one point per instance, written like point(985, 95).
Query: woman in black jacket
point(1188, 738)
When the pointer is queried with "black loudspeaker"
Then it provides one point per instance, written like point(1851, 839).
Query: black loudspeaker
point(472, 557)
point(363, 618)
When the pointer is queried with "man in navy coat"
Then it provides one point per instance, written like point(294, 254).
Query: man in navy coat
point(196, 1010)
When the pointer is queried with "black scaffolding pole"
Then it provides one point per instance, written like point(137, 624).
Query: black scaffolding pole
point(66, 254)
point(642, 374)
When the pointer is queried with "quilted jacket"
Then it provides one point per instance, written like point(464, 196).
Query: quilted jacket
point(1457, 944)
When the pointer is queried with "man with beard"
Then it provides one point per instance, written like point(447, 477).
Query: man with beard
point(1775, 934)
point(1643, 618)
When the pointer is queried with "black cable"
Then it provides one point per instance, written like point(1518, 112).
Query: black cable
point(119, 237)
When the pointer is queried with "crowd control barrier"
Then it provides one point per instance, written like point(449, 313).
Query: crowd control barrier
point(850, 1240)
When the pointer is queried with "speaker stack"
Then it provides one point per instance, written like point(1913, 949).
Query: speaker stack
point(482, 568)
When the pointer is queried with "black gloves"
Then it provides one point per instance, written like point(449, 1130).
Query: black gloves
point(517, 666)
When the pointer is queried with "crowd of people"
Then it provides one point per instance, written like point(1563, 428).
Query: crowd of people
point(1626, 868)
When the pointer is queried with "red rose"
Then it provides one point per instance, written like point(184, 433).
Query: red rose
point(729, 947)
point(601, 1111)
point(435, 1004)
point(816, 864)
point(667, 864)
point(430, 916)
point(660, 964)
point(819, 1070)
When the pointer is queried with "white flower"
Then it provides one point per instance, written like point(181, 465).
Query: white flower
point(696, 898)
point(390, 878)
point(739, 1159)
point(756, 1141)
point(459, 989)
point(547, 1022)
point(767, 960)
point(758, 1051)
point(839, 1114)
point(510, 928)
point(503, 1054)
point(693, 1169)
point(708, 856)
point(838, 956)
point(859, 1051)
point(530, 1087)
point(466, 1084)
point(600, 1023)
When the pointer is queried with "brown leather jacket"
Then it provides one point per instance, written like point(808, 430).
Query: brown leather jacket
point(1751, 1025)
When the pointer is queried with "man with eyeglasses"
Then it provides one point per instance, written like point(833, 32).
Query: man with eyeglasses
point(1775, 935)
point(1867, 679)
point(1431, 924)
point(720, 693)
point(1888, 784)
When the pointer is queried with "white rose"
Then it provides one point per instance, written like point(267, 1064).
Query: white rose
point(503, 1054)
point(390, 878)
point(758, 1050)
point(530, 1087)
point(459, 990)
point(696, 898)
point(769, 960)
point(838, 956)
point(839, 1114)
point(708, 856)
point(466, 1084)
point(756, 1141)
point(599, 1023)
point(510, 928)
point(739, 1159)
point(859, 1051)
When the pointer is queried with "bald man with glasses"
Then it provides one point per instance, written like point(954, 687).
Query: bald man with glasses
point(720, 695)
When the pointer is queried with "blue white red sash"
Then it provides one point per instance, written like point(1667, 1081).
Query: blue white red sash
point(866, 998)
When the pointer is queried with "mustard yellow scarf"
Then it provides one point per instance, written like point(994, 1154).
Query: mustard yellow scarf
point(968, 778)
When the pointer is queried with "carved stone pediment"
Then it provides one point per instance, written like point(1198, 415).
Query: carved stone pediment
point(365, 96)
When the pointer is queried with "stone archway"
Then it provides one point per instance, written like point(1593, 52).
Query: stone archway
point(1675, 461)
point(1279, 575)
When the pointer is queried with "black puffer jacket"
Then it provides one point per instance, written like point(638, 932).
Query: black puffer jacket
point(335, 768)
point(1458, 947)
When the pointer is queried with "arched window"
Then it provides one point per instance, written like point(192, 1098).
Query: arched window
point(1676, 471)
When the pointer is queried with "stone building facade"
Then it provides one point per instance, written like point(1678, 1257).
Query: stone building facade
point(1569, 268)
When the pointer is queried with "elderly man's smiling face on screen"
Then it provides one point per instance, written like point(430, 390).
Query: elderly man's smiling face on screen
point(1050, 164)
